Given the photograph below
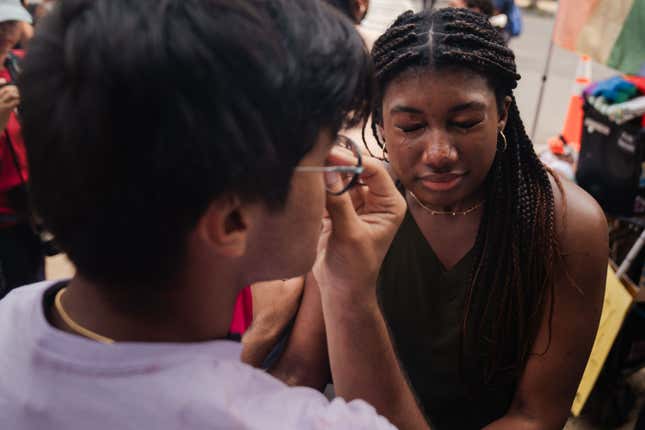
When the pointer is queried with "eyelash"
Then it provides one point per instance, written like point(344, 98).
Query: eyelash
point(465, 125)
point(412, 129)
point(461, 125)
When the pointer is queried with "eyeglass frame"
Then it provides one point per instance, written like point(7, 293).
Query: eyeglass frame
point(356, 170)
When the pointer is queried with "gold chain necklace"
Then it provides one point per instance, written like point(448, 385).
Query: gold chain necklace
point(74, 325)
point(451, 213)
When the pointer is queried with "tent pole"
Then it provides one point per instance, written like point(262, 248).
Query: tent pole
point(545, 77)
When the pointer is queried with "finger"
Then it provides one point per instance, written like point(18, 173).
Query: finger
point(9, 104)
point(340, 156)
point(341, 211)
point(325, 230)
point(8, 92)
point(13, 91)
point(344, 157)
point(377, 179)
point(378, 189)
point(389, 170)
point(358, 194)
point(380, 194)
point(11, 98)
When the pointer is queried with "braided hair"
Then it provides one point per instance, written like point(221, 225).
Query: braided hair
point(516, 248)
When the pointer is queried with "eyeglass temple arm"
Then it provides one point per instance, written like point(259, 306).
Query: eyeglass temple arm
point(339, 169)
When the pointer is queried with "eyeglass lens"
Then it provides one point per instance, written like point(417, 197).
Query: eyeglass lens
point(347, 178)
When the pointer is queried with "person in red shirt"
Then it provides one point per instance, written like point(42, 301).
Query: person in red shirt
point(21, 256)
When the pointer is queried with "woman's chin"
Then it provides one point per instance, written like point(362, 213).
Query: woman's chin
point(437, 199)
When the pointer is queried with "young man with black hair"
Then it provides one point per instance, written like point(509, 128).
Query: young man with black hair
point(197, 162)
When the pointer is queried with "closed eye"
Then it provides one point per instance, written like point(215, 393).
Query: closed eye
point(411, 128)
point(465, 125)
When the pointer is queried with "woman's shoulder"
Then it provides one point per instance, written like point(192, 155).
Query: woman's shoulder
point(580, 221)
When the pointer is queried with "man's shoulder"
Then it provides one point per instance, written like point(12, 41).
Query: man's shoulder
point(303, 407)
point(20, 311)
point(20, 301)
point(261, 401)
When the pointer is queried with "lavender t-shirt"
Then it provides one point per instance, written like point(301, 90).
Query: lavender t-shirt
point(52, 380)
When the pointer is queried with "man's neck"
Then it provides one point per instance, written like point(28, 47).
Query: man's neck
point(187, 312)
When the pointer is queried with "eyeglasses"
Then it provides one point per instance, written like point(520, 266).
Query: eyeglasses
point(348, 174)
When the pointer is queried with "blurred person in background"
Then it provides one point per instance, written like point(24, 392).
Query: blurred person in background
point(487, 8)
point(26, 30)
point(21, 255)
point(513, 23)
point(356, 11)
point(38, 8)
point(484, 7)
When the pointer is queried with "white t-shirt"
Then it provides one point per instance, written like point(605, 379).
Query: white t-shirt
point(50, 379)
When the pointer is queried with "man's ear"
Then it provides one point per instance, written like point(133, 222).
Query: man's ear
point(503, 115)
point(225, 226)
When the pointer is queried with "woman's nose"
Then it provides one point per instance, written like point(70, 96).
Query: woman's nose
point(438, 152)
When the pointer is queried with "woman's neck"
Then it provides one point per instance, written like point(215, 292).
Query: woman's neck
point(451, 237)
point(468, 204)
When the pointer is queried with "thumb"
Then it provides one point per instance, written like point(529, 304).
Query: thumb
point(340, 208)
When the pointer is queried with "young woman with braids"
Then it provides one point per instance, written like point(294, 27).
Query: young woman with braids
point(493, 286)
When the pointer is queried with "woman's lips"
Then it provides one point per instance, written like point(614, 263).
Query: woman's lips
point(442, 182)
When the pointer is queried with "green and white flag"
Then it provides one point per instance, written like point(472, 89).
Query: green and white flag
point(611, 32)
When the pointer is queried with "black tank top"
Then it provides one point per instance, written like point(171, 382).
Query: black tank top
point(424, 306)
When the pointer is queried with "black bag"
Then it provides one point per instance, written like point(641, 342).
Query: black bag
point(609, 166)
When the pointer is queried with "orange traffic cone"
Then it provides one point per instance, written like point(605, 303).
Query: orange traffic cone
point(572, 130)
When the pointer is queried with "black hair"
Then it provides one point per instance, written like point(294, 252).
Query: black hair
point(137, 114)
point(516, 250)
point(345, 6)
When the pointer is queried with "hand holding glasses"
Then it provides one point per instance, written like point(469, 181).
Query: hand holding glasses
point(359, 225)
point(349, 175)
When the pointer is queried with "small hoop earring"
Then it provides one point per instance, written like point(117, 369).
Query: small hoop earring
point(501, 133)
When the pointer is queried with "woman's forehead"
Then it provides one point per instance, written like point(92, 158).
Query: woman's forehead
point(448, 86)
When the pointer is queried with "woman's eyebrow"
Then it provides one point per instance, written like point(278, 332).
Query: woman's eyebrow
point(468, 106)
point(405, 109)
point(474, 105)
